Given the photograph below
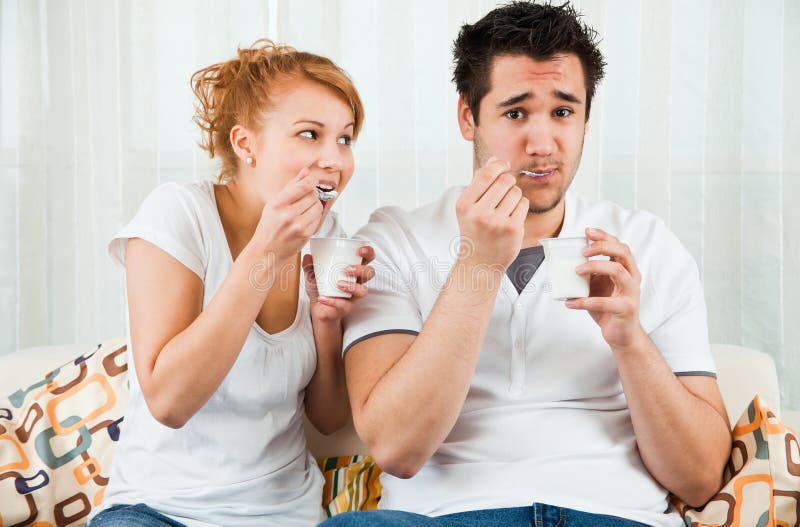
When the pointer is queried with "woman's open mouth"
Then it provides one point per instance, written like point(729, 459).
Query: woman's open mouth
point(325, 192)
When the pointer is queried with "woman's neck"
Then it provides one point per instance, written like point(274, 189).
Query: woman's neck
point(239, 209)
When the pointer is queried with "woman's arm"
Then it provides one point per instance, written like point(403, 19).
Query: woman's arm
point(327, 404)
point(182, 351)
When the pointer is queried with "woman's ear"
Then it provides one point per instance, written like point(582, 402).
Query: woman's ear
point(465, 121)
point(242, 142)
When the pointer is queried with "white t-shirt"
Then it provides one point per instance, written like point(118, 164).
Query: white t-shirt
point(242, 458)
point(545, 419)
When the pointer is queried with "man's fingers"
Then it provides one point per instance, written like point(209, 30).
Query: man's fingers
point(616, 250)
point(520, 211)
point(494, 195)
point(595, 234)
point(599, 304)
point(483, 179)
point(614, 270)
point(510, 201)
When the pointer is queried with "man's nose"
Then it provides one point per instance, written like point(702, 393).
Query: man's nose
point(540, 141)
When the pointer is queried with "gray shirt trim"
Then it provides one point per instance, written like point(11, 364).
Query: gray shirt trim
point(695, 374)
point(378, 334)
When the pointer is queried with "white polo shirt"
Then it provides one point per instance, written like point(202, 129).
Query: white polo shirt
point(545, 419)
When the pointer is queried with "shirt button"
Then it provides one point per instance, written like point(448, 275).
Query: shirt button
point(519, 305)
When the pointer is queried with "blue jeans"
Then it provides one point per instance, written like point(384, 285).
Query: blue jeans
point(537, 515)
point(139, 515)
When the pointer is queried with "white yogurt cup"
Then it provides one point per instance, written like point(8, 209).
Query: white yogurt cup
point(563, 255)
point(332, 256)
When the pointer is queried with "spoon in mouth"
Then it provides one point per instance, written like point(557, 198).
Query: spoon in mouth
point(532, 174)
point(326, 195)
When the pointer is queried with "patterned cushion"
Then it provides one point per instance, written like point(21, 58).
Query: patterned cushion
point(762, 479)
point(57, 438)
point(351, 484)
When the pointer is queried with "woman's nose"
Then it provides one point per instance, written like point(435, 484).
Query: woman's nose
point(330, 157)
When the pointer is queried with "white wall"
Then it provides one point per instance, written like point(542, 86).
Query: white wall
point(697, 121)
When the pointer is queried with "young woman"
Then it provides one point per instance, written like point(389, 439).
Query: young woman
point(230, 343)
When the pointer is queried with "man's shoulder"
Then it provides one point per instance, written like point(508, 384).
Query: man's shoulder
point(425, 221)
point(637, 227)
point(615, 215)
point(652, 242)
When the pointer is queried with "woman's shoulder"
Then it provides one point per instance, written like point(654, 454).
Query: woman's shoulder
point(196, 194)
point(177, 217)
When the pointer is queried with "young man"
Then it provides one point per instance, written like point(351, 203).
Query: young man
point(487, 402)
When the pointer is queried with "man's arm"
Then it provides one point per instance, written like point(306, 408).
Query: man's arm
point(406, 392)
point(680, 423)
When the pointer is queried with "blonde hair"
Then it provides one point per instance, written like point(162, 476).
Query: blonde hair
point(238, 92)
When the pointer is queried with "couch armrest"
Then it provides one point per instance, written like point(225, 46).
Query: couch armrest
point(26, 366)
point(742, 373)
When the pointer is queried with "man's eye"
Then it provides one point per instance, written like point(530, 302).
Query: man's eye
point(563, 112)
point(515, 114)
point(311, 134)
point(345, 140)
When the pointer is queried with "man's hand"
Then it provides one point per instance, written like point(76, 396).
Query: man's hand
point(613, 300)
point(491, 216)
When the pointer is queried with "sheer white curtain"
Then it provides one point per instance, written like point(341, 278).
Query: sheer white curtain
point(697, 121)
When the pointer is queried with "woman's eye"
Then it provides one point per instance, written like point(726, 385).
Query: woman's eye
point(515, 115)
point(563, 112)
point(310, 134)
point(345, 140)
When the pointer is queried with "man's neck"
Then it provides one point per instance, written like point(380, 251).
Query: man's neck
point(543, 225)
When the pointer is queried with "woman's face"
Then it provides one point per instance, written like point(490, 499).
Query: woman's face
point(309, 125)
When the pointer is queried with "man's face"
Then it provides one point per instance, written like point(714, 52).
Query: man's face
point(533, 117)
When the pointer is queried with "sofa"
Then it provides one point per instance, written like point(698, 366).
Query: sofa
point(742, 373)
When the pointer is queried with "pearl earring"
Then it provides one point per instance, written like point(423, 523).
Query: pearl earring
point(250, 161)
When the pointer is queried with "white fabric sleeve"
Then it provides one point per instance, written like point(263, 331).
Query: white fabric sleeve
point(390, 305)
point(168, 218)
point(682, 332)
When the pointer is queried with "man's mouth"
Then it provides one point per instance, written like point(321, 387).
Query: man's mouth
point(538, 173)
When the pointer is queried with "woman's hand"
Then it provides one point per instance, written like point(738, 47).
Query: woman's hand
point(329, 309)
point(290, 219)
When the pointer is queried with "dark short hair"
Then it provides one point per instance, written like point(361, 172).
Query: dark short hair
point(538, 31)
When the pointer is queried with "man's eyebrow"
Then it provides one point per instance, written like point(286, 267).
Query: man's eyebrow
point(515, 99)
point(566, 96)
point(559, 94)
